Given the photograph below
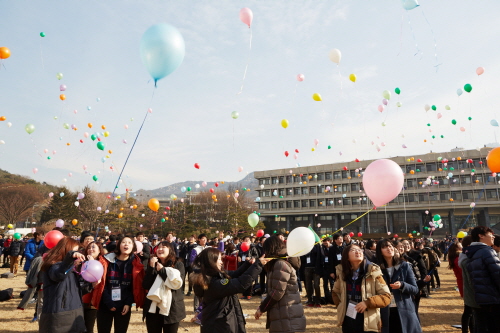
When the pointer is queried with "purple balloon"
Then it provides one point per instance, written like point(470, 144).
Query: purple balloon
point(62, 87)
point(92, 271)
point(59, 223)
point(385, 102)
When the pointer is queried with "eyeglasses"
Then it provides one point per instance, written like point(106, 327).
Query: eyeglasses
point(355, 250)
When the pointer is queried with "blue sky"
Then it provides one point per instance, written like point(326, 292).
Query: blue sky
point(95, 44)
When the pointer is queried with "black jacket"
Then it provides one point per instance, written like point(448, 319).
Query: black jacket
point(252, 253)
point(323, 266)
point(484, 271)
point(146, 254)
point(221, 308)
point(16, 248)
point(333, 259)
point(177, 308)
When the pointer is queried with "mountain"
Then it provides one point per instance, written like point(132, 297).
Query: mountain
point(164, 192)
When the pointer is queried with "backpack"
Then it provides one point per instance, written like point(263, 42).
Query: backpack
point(6, 294)
point(425, 259)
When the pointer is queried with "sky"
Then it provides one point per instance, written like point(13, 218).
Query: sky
point(428, 52)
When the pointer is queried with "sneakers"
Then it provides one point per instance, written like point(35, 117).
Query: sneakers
point(188, 294)
point(249, 297)
point(310, 304)
point(246, 297)
point(264, 296)
point(35, 318)
point(438, 286)
point(33, 300)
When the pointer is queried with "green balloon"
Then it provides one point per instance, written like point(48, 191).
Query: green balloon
point(442, 136)
point(316, 237)
point(94, 177)
point(428, 124)
point(445, 168)
point(418, 170)
point(468, 87)
point(163, 220)
point(48, 157)
point(454, 122)
point(253, 220)
point(42, 34)
point(258, 214)
point(66, 125)
point(440, 159)
point(244, 188)
point(473, 170)
point(188, 188)
point(433, 137)
point(281, 197)
point(235, 114)
point(470, 118)
point(17, 235)
point(93, 137)
point(329, 147)
point(30, 128)
point(437, 217)
point(413, 232)
point(397, 91)
point(452, 168)
point(434, 108)
point(100, 145)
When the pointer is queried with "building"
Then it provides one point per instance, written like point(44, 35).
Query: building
point(330, 196)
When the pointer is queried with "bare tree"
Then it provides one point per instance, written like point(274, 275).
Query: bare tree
point(16, 202)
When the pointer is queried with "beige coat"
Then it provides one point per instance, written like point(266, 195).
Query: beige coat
point(374, 292)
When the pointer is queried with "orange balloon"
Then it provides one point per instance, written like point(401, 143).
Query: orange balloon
point(120, 215)
point(2, 118)
point(121, 208)
point(493, 160)
point(110, 151)
point(412, 172)
point(68, 144)
point(425, 140)
point(103, 127)
point(74, 222)
point(477, 181)
point(459, 158)
point(90, 125)
point(134, 206)
point(166, 218)
point(154, 204)
point(4, 52)
point(62, 97)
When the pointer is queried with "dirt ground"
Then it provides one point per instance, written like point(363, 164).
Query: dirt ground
point(437, 313)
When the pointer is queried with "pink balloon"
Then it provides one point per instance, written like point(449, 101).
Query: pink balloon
point(236, 195)
point(204, 184)
point(70, 174)
point(439, 115)
point(45, 151)
point(126, 126)
point(462, 129)
point(383, 180)
point(300, 77)
point(75, 111)
point(295, 156)
point(480, 70)
point(150, 110)
point(92, 271)
point(51, 195)
point(35, 170)
point(62, 87)
point(316, 142)
point(84, 167)
point(240, 169)
point(86, 134)
point(246, 16)
point(380, 108)
point(385, 102)
point(139, 246)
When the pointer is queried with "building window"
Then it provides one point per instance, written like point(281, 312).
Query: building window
point(261, 181)
point(491, 194)
point(444, 196)
point(328, 175)
point(282, 180)
point(312, 203)
point(289, 204)
point(345, 174)
point(345, 187)
point(354, 187)
point(296, 190)
point(282, 204)
point(304, 190)
point(431, 167)
point(304, 203)
point(337, 175)
point(304, 178)
point(296, 204)
point(320, 176)
point(466, 180)
point(275, 205)
point(346, 201)
point(312, 189)
point(420, 167)
point(281, 192)
point(289, 179)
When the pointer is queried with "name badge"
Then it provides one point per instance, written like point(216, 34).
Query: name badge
point(326, 259)
point(116, 294)
point(243, 258)
point(393, 302)
point(351, 310)
point(308, 260)
point(339, 257)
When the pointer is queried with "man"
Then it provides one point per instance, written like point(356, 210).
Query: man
point(184, 253)
point(202, 244)
point(484, 271)
point(434, 263)
point(16, 250)
point(220, 243)
point(335, 254)
point(347, 239)
point(111, 245)
point(85, 239)
point(309, 264)
point(323, 271)
point(154, 243)
point(244, 256)
point(496, 244)
point(370, 249)
point(171, 239)
point(145, 254)
point(262, 276)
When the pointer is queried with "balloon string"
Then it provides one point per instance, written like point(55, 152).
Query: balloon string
point(435, 42)
point(133, 145)
point(413, 34)
point(41, 54)
point(36, 148)
point(404, 208)
point(340, 78)
point(248, 61)
point(386, 226)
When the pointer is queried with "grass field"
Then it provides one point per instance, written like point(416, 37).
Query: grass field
point(437, 313)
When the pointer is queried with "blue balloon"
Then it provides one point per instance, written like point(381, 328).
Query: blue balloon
point(493, 122)
point(450, 174)
point(61, 194)
point(183, 189)
point(103, 159)
point(162, 50)
point(257, 199)
point(410, 4)
point(459, 92)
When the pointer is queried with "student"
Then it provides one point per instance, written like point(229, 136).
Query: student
point(400, 315)
point(16, 250)
point(165, 267)
point(202, 244)
point(32, 247)
point(222, 311)
point(62, 310)
point(123, 287)
point(468, 289)
point(356, 279)
point(145, 254)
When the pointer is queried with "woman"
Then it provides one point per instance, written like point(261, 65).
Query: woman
point(359, 292)
point(62, 310)
point(32, 248)
point(218, 291)
point(231, 258)
point(282, 304)
point(93, 251)
point(170, 271)
point(123, 287)
point(456, 261)
point(400, 315)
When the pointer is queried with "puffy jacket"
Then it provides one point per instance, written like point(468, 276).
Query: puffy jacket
point(16, 248)
point(468, 288)
point(221, 308)
point(484, 271)
point(282, 304)
point(30, 252)
point(374, 292)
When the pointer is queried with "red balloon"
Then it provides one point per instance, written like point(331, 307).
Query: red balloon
point(360, 234)
point(351, 234)
point(356, 160)
point(301, 175)
point(52, 238)
point(81, 141)
point(109, 196)
point(419, 160)
point(480, 162)
point(245, 247)
point(296, 150)
point(216, 184)
point(196, 165)
point(212, 190)
point(164, 213)
point(345, 168)
point(286, 153)
point(396, 236)
point(167, 208)
point(260, 233)
point(98, 139)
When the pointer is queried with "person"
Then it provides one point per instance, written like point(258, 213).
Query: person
point(218, 290)
point(230, 258)
point(6, 249)
point(484, 271)
point(16, 250)
point(85, 239)
point(202, 244)
point(496, 245)
point(369, 250)
point(400, 315)
point(164, 270)
point(62, 309)
point(111, 246)
point(282, 304)
point(336, 254)
point(356, 279)
point(188, 247)
point(154, 243)
point(453, 254)
point(322, 270)
point(248, 255)
point(145, 254)
point(309, 264)
point(123, 287)
point(347, 238)
point(32, 247)
point(468, 289)
point(433, 254)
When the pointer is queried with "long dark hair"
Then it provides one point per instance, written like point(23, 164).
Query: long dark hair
point(171, 259)
point(273, 246)
point(382, 244)
point(206, 261)
point(118, 251)
point(58, 252)
point(453, 253)
point(346, 264)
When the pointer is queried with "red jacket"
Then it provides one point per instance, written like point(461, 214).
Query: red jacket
point(231, 262)
point(458, 274)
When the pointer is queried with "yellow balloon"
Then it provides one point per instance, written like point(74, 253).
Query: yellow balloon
point(317, 97)
point(313, 149)
point(154, 204)
point(352, 77)
point(106, 134)
point(284, 123)
point(120, 215)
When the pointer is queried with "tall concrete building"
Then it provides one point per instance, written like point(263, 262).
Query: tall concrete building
point(330, 196)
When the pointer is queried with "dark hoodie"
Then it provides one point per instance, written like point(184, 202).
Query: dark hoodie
point(484, 270)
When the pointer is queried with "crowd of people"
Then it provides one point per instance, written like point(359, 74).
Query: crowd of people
point(376, 285)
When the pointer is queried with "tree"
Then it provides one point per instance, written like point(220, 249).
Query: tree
point(16, 202)
point(61, 207)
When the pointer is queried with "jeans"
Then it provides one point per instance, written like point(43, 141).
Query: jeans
point(327, 282)
point(106, 317)
point(467, 320)
point(486, 318)
point(309, 275)
point(436, 275)
point(155, 324)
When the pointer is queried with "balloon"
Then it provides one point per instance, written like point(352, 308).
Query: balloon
point(246, 16)
point(317, 97)
point(386, 94)
point(17, 236)
point(284, 123)
point(196, 165)
point(385, 102)
point(316, 142)
point(461, 234)
point(10, 226)
point(447, 107)
point(162, 50)
point(139, 246)
point(93, 137)
point(253, 219)
point(183, 189)
point(29, 128)
point(62, 97)
point(399, 104)
point(459, 92)
point(493, 160)
point(436, 218)
point(92, 271)
point(335, 56)
point(380, 108)
point(99, 209)
point(300, 242)
point(300, 77)
point(81, 196)
point(427, 107)
point(94, 177)
point(77, 203)
point(100, 145)
point(189, 188)
point(9, 124)
point(480, 70)
point(4, 52)
point(439, 115)
point(468, 87)
point(35, 170)
point(245, 246)
point(352, 77)
point(106, 134)
point(51, 195)
point(434, 108)
point(397, 91)
point(462, 129)
point(383, 181)
point(154, 204)
point(235, 114)
point(410, 4)
point(260, 233)
point(61, 194)
point(453, 121)
point(52, 238)
point(74, 222)
point(360, 234)
point(287, 153)
point(240, 169)
point(493, 122)
point(59, 76)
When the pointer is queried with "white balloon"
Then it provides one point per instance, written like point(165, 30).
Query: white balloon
point(335, 56)
point(300, 242)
